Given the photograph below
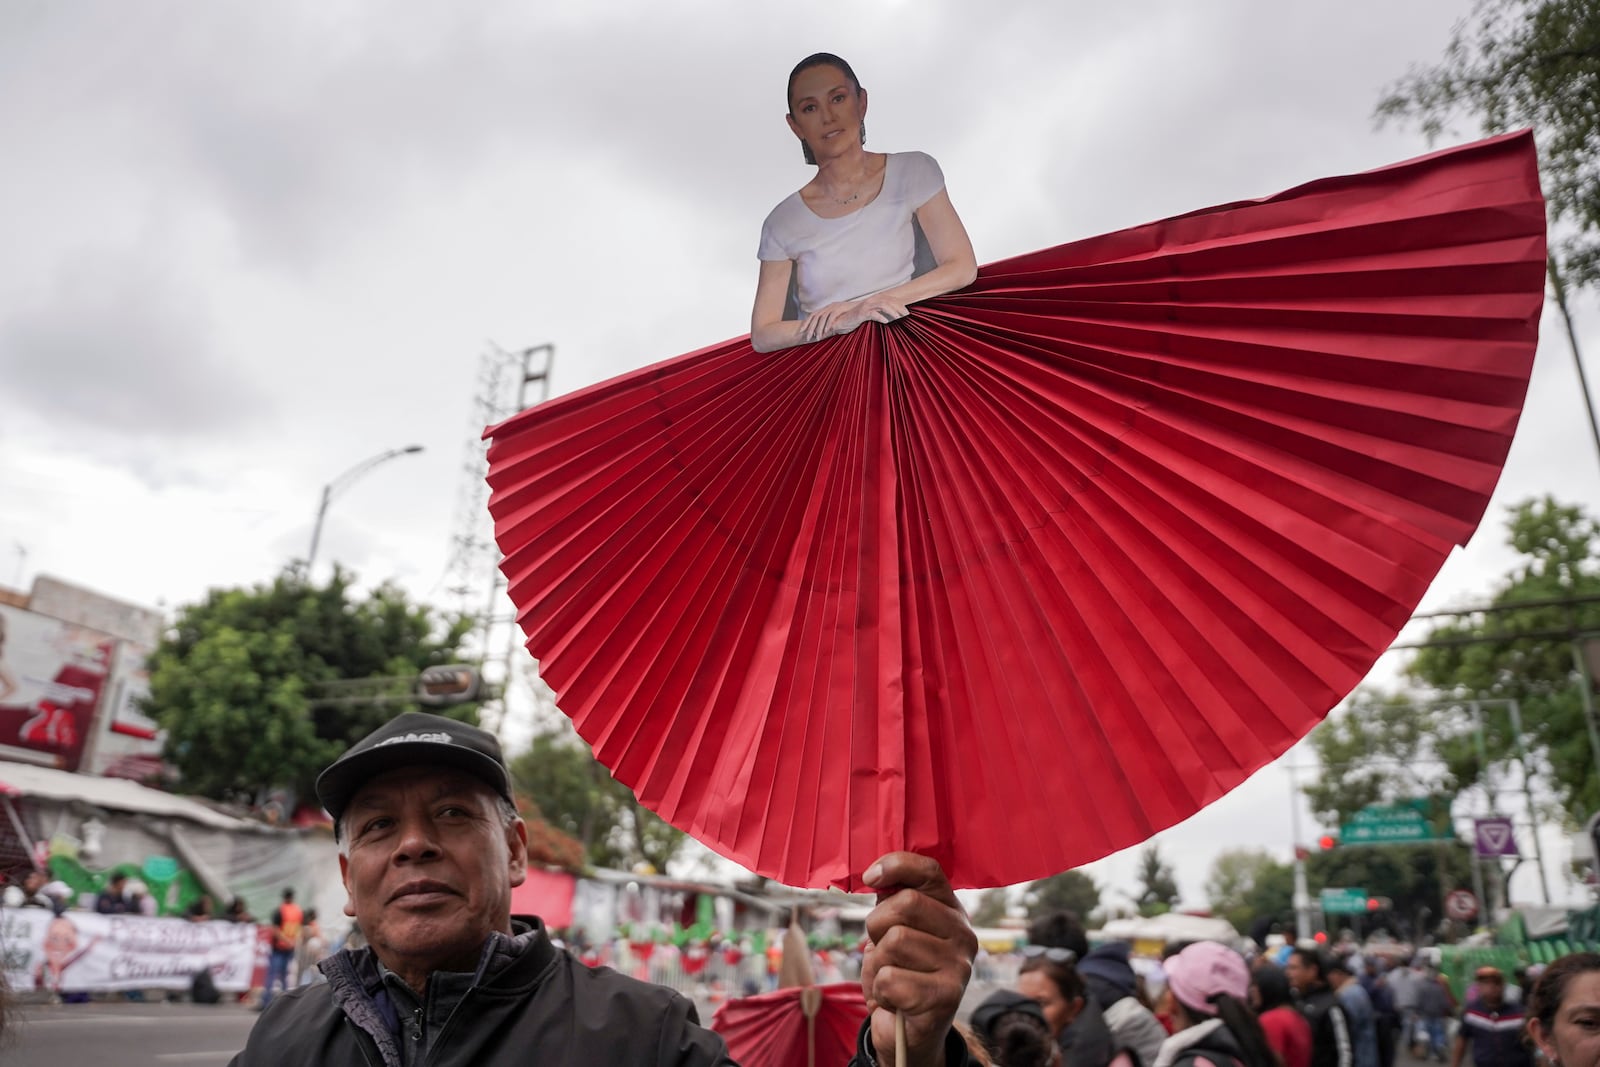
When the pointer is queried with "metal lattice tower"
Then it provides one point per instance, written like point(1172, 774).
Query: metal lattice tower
point(508, 382)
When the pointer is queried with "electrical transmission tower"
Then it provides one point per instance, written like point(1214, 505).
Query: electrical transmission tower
point(508, 382)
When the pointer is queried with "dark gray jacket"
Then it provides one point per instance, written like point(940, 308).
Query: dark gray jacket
point(529, 1003)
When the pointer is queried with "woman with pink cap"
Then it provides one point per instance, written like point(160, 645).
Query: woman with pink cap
point(1208, 985)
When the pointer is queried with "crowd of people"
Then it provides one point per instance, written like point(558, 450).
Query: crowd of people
point(1073, 1006)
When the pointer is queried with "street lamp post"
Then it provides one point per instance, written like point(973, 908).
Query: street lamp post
point(343, 482)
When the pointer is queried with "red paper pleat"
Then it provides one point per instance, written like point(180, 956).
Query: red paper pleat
point(1053, 562)
point(769, 1029)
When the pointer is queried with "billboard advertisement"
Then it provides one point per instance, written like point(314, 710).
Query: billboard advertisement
point(52, 674)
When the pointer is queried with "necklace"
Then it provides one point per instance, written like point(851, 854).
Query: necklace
point(853, 197)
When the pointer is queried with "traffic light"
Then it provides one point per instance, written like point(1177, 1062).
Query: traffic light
point(1328, 842)
point(439, 687)
point(1320, 937)
point(1373, 903)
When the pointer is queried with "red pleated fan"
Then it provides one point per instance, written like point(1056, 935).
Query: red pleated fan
point(1055, 561)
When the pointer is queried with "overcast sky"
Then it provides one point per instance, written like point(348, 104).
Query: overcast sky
point(249, 245)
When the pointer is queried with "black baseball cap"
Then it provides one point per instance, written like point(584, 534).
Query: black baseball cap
point(415, 739)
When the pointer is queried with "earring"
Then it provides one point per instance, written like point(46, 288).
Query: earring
point(863, 133)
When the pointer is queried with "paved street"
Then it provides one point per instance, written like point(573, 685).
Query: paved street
point(121, 1034)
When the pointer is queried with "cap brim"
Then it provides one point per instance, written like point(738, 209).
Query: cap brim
point(339, 784)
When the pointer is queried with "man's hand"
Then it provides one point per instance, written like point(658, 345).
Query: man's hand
point(918, 959)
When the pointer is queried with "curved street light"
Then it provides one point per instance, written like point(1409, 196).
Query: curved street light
point(343, 482)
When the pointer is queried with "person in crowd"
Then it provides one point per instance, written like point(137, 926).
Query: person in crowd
point(1111, 982)
point(201, 910)
point(31, 892)
point(140, 902)
point(1435, 1004)
point(312, 950)
point(1374, 978)
point(1564, 1011)
point(1208, 986)
point(1076, 1019)
point(1358, 1013)
point(1014, 1032)
point(113, 899)
point(1404, 982)
point(1307, 971)
point(1287, 1030)
point(430, 847)
point(238, 912)
point(287, 919)
point(1491, 1026)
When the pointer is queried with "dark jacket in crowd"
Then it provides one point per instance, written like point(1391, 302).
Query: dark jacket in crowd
point(1087, 1042)
point(528, 1000)
point(1206, 1044)
point(1111, 981)
point(1330, 1031)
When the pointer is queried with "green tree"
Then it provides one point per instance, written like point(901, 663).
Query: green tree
point(1158, 889)
point(1071, 891)
point(1481, 656)
point(1386, 747)
point(1247, 885)
point(239, 683)
point(992, 906)
point(1517, 63)
point(578, 796)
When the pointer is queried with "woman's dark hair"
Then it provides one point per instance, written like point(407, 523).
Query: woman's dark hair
point(818, 59)
point(1272, 985)
point(1254, 1051)
point(1019, 1040)
point(1551, 989)
point(1066, 977)
point(1059, 929)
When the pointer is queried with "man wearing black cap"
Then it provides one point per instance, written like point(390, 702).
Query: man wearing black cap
point(430, 848)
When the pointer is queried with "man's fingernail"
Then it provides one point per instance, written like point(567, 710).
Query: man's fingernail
point(874, 873)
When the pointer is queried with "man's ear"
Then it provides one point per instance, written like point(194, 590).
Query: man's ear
point(517, 845)
point(344, 876)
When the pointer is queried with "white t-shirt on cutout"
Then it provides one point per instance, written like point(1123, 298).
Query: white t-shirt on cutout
point(864, 252)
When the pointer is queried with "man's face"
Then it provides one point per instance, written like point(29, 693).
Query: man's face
point(429, 867)
point(1492, 988)
point(1301, 975)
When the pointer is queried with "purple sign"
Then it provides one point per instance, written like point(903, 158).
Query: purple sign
point(1492, 837)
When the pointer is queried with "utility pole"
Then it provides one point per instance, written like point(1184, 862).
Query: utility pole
point(1302, 894)
point(1515, 710)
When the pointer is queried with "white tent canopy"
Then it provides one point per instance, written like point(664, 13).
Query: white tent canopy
point(1170, 928)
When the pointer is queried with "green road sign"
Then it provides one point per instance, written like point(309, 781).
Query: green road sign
point(1403, 823)
point(1344, 901)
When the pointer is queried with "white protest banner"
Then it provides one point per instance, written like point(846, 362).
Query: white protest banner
point(81, 951)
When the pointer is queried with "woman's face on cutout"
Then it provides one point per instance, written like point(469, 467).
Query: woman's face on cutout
point(826, 110)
